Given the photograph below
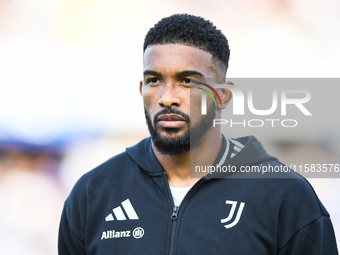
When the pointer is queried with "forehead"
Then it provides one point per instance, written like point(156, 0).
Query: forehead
point(170, 58)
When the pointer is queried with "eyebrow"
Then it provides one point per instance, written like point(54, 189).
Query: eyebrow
point(189, 72)
point(150, 72)
point(179, 74)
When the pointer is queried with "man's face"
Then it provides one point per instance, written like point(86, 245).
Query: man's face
point(169, 94)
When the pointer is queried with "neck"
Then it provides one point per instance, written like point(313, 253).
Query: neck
point(177, 167)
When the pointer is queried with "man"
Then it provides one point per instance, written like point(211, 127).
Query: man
point(143, 201)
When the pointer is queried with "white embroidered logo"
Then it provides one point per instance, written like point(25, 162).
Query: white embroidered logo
point(119, 214)
point(138, 232)
point(232, 212)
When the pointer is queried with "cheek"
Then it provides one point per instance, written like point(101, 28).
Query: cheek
point(150, 99)
point(195, 107)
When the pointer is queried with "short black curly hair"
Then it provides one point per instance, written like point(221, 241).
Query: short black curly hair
point(191, 31)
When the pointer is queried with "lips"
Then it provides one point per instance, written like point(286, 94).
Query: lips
point(171, 121)
point(170, 117)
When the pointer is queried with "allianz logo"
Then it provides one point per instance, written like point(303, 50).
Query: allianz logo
point(136, 233)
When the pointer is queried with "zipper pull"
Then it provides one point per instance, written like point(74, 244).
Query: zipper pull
point(174, 213)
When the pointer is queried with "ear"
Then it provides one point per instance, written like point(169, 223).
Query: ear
point(225, 95)
point(141, 87)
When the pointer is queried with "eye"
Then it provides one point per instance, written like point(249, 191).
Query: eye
point(187, 80)
point(153, 80)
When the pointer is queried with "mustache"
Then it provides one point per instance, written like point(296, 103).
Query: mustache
point(173, 111)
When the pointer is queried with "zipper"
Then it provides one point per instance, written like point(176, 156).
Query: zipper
point(174, 213)
point(175, 209)
point(173, 217)
point(173, 228)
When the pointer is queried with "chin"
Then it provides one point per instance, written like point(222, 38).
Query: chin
point(171, 134)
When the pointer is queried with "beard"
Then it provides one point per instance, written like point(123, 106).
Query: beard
point(179, 144)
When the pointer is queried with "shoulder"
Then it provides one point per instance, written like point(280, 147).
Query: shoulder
point(289, 200)
point(110, 175)
point(104, 172)
point(299, 206)
point(107, 175)
point(297, 190)
point(96, 183)
point(301, 213)
point(293, 191)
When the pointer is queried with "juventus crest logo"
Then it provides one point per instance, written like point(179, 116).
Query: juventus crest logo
point(232, 212)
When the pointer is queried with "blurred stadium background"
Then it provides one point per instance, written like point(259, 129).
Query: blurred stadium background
point(69, 100)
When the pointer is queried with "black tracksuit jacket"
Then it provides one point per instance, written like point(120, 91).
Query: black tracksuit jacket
point(125, 206)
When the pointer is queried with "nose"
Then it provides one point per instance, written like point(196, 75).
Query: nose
point(170, 96)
